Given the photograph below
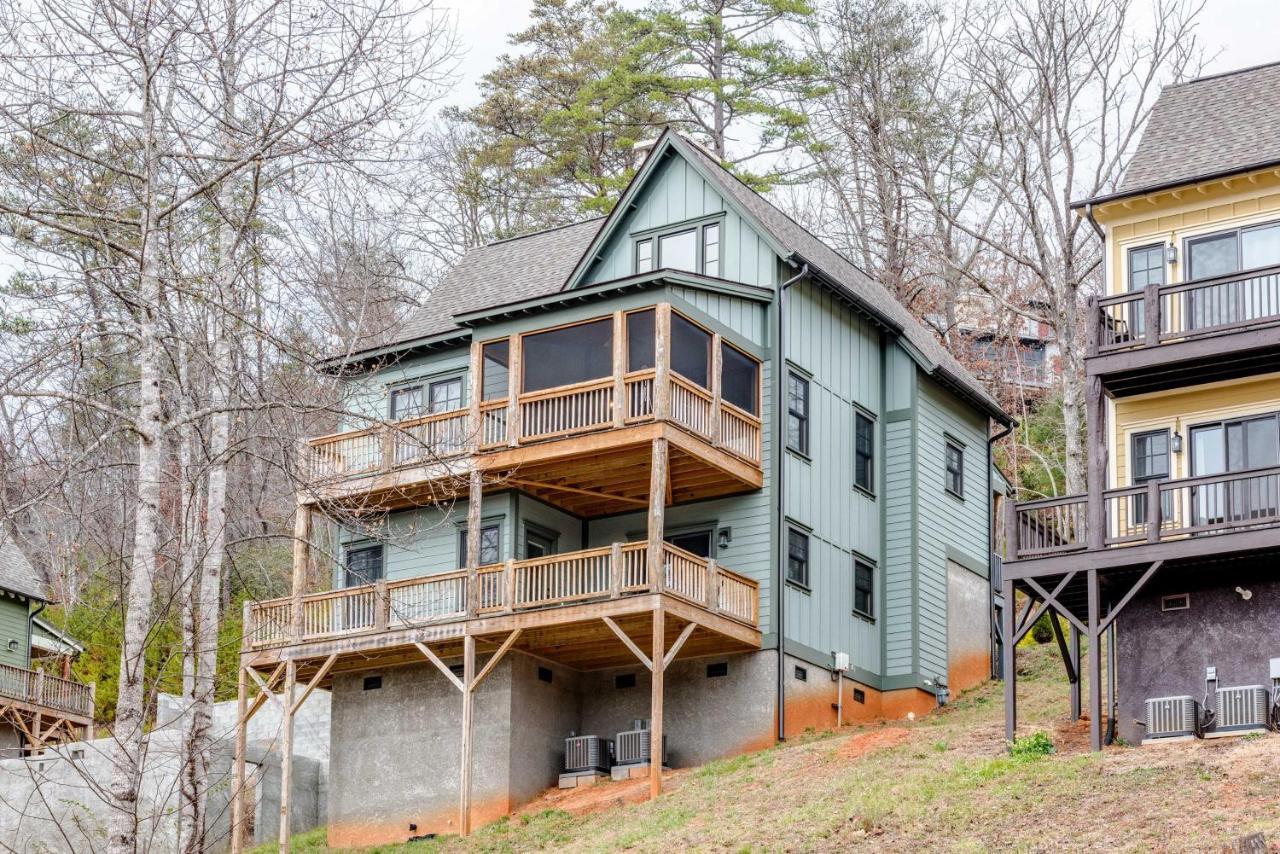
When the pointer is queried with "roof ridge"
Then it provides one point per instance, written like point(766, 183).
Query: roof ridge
point(1221, 74)
point(547, 230)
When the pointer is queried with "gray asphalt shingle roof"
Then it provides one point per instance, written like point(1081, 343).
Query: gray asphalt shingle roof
point(540, 264)
point(498, 273)
point(1208, 127)
point(17, 575)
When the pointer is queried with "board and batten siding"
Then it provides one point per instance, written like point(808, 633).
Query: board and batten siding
point(950, 528)
point(15, 625)
point(840, 353)
point(676, 192)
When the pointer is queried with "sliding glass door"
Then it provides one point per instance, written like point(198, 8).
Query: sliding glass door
point(1236, 446)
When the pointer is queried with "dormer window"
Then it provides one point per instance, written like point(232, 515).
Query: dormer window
point(694, 248)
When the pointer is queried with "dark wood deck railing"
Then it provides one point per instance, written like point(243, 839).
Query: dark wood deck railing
point(1161, 314)
point(36, 688)
point(598, 574)
point(1156, 511)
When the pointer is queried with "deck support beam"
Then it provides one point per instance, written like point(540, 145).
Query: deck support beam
point(658, 657)
point(1009, 664)
point(242, 742)
point(658, 478)
point(1095, 663)
point(1075, 666)
point(468, 713)
point(286, 753)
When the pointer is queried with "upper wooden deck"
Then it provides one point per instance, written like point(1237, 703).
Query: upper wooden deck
point(1166, 336)
point(43, 707)
point(583, 446)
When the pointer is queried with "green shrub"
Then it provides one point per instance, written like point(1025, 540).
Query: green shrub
point(1042, 631)
point(1032, 746)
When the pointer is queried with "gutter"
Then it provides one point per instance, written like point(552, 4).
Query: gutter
point(779, 469)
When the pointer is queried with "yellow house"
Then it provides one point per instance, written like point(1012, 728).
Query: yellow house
point(1168, 564)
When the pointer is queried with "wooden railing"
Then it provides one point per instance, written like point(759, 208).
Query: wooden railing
point(609, 572)
point(1153, 512)
point(541, 416)
point(1163, 313)
point(44, 689)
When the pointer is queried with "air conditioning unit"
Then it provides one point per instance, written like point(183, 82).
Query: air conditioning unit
point(587, 753)
point(1171, 717)
point(1242, 708)
point(634, 745)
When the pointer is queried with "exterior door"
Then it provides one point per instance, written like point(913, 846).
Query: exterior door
point(694, 542)
point(1236, 446)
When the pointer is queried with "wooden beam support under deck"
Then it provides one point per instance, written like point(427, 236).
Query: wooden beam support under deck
point(629, 643)
point(286, 753)
point(241, 748)
point(657, 656)
point(658, 475)
point(468, 713)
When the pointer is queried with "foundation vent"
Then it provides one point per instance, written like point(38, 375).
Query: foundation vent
point(1243, 707)
point(587, 753)
point(1169, 717)
point(634, 747)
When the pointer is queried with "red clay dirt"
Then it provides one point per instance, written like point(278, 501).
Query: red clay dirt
point(604, 795)
point(863, 743)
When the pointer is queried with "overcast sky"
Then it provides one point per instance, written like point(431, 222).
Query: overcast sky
point(1235, 33)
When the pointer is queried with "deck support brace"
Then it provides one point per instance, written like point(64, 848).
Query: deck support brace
point(245, 710)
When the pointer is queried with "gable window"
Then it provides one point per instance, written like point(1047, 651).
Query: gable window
point(739, 379)
point(797, 557)
point(864, 602)
point(679, 251)
point(864, 452)
point(711, 250)
point(1150, 454)
point(644, 255)
point(955, 469)
point(1146, 266)
point(490, 545)
point(797, 413)
point(364, 565)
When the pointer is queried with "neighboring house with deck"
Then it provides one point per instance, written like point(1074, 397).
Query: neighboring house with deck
point(40, 704)
point(674, 464)
point(1167, 565)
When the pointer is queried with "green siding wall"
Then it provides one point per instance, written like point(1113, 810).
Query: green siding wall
point(677, 192)
point(950, 527)
point(14, 626)
point(367, 396)
point(899, 563)
point(841, 353)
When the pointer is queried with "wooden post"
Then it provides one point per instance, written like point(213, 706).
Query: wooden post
point(662, 362)
point(242, 741)
point(473, 540)
point(1096, 448)
point(246, 626)
point(615, 570)
point(509, 585)
point(1009, 665)
point(475, 392)
point(381, 605)
point(712, 602)
point(386, 447)
point(619, 369)
point(1011, 533)
point(514, 371)
point(468, 706)
point(93, 710)
point(1075, 665)
point(1151, 304)
point(716, 386)
point(657, 655)
point(286, 753)
point(301, 556)
point(658, 476)
point(1095, 664)
point(1154, 520)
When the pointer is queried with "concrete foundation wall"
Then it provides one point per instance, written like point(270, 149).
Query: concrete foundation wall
point(1165, 653)
point(968, 629)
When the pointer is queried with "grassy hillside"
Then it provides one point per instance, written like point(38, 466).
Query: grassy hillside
point(942, 783)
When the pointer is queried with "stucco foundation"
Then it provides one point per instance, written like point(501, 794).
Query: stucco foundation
point(1164, 653)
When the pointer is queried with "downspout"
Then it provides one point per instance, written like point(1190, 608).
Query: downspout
point(31, 628)
point(1097, 227)
point(991, 534)
point(779, 467)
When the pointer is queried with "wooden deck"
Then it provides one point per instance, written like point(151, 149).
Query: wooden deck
point(559, 602)
point(45, 708)
point(583, 447)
